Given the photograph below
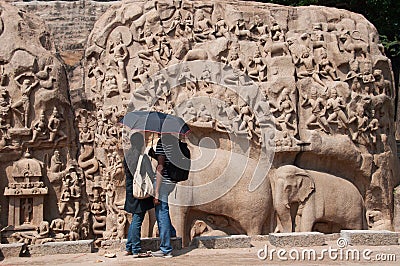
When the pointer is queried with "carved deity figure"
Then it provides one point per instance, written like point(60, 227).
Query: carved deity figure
point(188, 78)
point(140, 73)
point(94, 70)
point(220, 28)
point(382, 86)
point(202, 27)
point(261, 110)
point(119, 53)
point(39, 128)
point(56, 164)
point(306, 67)
point(258, 66)
point(337, 104)
point(189, 113)
point(326, 68)
point(287, 112)
point(27, 209)
point(318, 111)
point(26, 88)
point(204, 114)
point(110, 86)
point(54, 127)
point(361, 122)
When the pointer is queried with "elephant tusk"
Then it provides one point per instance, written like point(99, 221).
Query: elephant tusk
point(287, 205)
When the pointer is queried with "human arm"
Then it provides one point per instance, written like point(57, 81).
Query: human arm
point(159, 177)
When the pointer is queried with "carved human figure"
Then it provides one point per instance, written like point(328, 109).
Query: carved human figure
point(121, 224)
point(204, 114)
point(55, 162)
point(220, 28)
point(354, 75)
point(326, 68)
point(361, 122)
point(94, 70)
point(189, 114)
point(276, 31)
point(306, 68)
point(318, 110)
point(246, 121)
point(152, 47)
point(230, 114)
point(161, 86)
point(74, 231)
point(206, 78)
point(261, 110)
point(258, 67)
point(202, 27)
point(57, 226)
point(373, 127)
point(237, 77)
point(26, 88)
point(110, 86)
point(140, 72)
point(54, 127)
point(287, 112)
point(382, 86)
point(337, 104)
point(119, 53)
point(27, 209)
point(177, 26)
point(188, 78)
point(39, 128)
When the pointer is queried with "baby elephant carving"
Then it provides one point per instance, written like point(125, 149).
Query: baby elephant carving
point(302, 198)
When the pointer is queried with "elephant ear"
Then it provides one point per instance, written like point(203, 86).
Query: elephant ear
point(305, 185)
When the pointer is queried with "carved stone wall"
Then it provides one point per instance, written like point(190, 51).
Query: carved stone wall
point(311, 84)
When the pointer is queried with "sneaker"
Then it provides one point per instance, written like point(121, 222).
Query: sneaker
point(135, 255)
point(161, 254)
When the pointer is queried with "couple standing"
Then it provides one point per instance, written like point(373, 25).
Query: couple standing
point(163, 186)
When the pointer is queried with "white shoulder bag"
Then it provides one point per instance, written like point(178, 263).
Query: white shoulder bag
point(142, 185)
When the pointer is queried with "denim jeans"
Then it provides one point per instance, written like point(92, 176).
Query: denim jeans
point(165, 227)
point(133, 241)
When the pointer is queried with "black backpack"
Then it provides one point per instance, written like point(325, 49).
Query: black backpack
point(180, 171)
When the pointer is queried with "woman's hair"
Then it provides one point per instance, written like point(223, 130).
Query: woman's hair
point(137, 141)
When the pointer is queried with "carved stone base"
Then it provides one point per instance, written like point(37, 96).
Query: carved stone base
point(307, 239)
point(11, 250)
point(66, 247)
point(370, 237)
point(220, 242)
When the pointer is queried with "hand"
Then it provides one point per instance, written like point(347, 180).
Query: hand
point(156, 201)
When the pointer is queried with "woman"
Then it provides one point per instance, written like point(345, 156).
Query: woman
point(137, 207)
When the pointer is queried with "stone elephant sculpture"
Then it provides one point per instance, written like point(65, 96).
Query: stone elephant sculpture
point(235, 211)
point(302, 198)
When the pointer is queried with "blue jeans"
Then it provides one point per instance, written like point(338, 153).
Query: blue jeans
point(133, 241)
point(165, 227)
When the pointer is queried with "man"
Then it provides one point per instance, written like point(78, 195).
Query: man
point(163, 187)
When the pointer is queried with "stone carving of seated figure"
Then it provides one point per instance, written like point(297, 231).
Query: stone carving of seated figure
point(189, 113)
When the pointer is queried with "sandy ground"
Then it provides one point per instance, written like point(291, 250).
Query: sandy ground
point(238, 256)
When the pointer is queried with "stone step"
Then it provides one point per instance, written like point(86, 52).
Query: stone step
point(65, 247)
point(152, 244)
point(297, 239)
point(370, 237)
point(220, 242)
point(11, 250)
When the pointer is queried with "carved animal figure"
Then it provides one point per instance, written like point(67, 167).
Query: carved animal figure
point(253, 217)
point(196, 54)
point(320, 197)
point(352, 45)
point(276, 48)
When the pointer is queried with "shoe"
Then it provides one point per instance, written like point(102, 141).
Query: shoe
point(128, 253)
point(135, 255)
point(161, 254)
